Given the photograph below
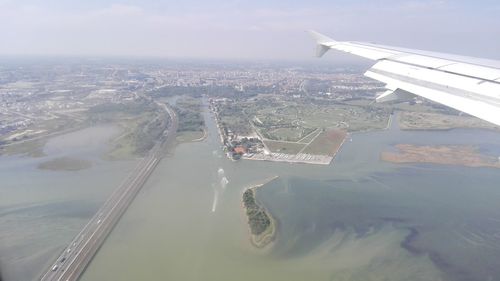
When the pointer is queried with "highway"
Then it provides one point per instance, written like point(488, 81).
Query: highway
point(77, 255)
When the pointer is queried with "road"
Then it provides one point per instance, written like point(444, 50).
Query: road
point(77, 255)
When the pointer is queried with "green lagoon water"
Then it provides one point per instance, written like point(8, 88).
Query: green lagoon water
point(41, 211)
point(357, 219)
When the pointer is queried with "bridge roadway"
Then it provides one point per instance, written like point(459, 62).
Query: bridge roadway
point(77, 255)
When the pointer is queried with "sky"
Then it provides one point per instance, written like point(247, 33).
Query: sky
point(255, 29)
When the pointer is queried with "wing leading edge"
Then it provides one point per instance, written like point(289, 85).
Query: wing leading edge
point(467, 84)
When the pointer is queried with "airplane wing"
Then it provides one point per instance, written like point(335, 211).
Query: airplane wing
point(470, 85)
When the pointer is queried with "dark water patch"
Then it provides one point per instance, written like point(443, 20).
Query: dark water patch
point(65, 164)
point(71, 209)
point(312, 214)
point(17, 209)
point(394, 219)
point(432, 203)
point(453, 272)
point(407, 242)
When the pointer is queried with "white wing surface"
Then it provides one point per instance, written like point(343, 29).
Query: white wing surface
point(470, 85)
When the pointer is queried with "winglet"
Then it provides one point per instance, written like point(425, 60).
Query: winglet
point(395, 95)
point(322, 41)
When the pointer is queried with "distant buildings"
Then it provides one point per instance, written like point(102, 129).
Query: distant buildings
point(40, 93)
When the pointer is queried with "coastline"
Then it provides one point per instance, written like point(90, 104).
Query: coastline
point(184, 137)
point(300, 158)
point(202, 138)
point(264, 240)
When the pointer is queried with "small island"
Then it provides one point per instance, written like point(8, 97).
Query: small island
point(462, 155)
point(262, 225)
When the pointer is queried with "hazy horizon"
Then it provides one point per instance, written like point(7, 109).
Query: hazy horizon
point(242, 30)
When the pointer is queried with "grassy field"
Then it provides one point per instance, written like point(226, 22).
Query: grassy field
point(289, 125)
point(327, 143)
point(349, 117)
point(310, 137)
point(33, 148)
point(295, 133)
point(291, 120)
point(284, 147)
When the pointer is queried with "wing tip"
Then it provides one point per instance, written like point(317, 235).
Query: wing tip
point(320, 38)
point(323, 42)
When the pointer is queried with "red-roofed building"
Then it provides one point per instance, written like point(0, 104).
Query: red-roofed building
point(240, 149)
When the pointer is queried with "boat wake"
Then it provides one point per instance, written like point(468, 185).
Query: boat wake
point(222, 182)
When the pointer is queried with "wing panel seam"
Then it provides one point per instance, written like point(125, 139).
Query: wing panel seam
point(432, 85)
point(444, 71)
point(414, 53)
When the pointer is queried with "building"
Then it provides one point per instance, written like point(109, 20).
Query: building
point(240, 149)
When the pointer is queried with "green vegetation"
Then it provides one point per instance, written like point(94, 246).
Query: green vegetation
point(439, 121)
point(140, 135)
point(32, 148)
point(233, 117)
point(284, 147)
point(109, 109)
point(293, 120)
point(305, 125)
point(258, 219)
point(188, 110)
point(289, 122)
point(288, 133)
point(143, 122)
